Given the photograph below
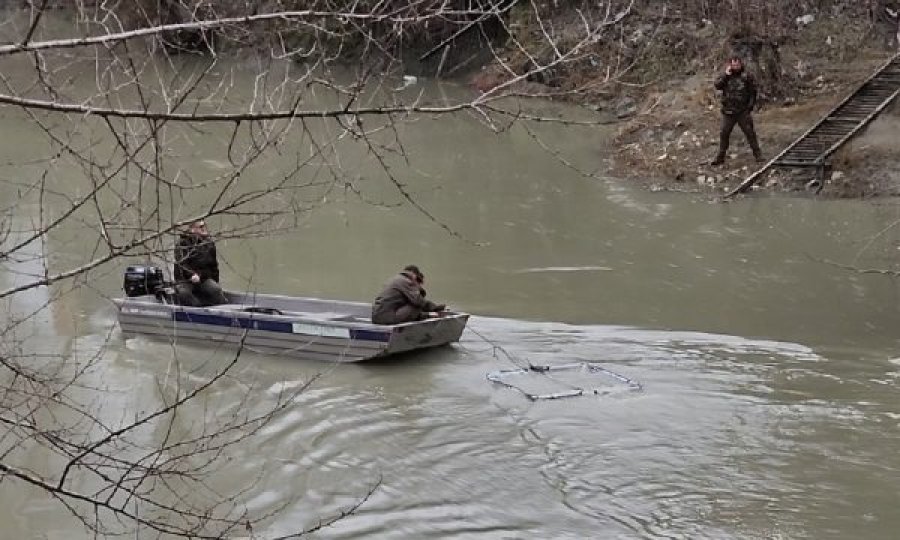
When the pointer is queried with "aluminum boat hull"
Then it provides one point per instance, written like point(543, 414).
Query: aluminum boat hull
point(309, 328)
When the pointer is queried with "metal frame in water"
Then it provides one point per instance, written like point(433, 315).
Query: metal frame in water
point(503, 376)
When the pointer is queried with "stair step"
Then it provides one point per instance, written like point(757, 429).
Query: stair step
point(794, 163)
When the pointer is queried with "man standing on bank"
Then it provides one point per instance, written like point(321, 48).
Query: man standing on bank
point(739, 92)
point(403, 299)
point(197, 268)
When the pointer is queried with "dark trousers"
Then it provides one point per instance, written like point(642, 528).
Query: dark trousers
point(407, 313)
point(205, 293)
point(745, 121)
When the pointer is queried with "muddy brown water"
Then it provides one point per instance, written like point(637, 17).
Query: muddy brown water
point(769, 404)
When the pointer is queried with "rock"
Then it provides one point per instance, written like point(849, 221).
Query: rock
point(689, 139)
point(805, 19)
point(626, 107)
point(601, 104)
point(642, 31)
point(706, 31)
point(408, 80)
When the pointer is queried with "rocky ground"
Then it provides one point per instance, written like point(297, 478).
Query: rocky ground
point(673, 136)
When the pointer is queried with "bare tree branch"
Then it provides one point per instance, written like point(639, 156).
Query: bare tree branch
point(151, 115)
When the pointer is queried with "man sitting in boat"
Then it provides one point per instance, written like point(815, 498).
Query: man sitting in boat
point(197, 268)
point(403, 299)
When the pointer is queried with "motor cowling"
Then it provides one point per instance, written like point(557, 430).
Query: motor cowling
point(142, 280)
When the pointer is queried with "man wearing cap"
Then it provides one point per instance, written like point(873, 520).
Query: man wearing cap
point(403, 299)
point(739, 92)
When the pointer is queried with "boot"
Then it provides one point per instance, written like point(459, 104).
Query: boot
point(723, 150)
point(754, 145)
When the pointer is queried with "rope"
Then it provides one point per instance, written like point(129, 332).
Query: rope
point(499, 348)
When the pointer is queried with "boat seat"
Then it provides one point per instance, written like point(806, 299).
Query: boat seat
point(229, 307)
point(247, 308)
point(350, 318)
point(265, 310)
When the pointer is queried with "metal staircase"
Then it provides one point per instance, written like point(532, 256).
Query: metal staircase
point(846, 120)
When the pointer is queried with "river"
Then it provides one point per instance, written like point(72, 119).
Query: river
point(768, 406)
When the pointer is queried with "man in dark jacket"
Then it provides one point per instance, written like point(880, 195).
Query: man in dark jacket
point(197, 268)
point(739, 92)
point(403, 299)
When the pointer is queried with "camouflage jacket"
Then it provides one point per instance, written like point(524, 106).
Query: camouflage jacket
point(738, 92)
point(401, 290)
point(195, 255)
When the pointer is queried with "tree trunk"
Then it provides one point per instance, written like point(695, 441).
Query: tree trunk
point(762, 57)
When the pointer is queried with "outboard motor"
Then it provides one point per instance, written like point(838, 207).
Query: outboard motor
point(141, 280)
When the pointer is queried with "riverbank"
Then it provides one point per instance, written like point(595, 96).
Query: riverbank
point(671, 139)
point(670, 142)
point(669, 111)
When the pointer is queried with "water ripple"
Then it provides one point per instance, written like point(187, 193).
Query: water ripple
point(723, 442)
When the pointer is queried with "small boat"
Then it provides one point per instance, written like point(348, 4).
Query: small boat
point(309, 328)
